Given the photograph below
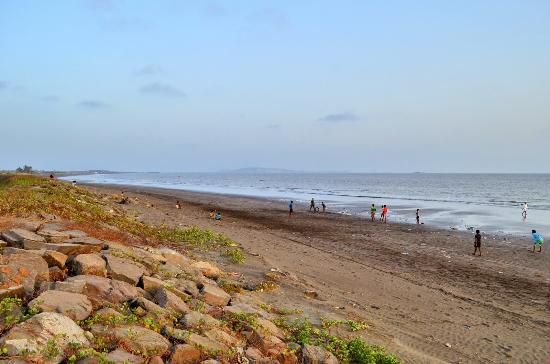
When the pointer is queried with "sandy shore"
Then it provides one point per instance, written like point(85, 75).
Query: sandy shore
point(424, 295)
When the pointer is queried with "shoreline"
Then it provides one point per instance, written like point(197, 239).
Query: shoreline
point(417, 286)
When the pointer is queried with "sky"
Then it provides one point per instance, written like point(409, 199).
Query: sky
point(359, 86)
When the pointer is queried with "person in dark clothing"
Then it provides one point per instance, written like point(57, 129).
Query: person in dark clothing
point(477, 243)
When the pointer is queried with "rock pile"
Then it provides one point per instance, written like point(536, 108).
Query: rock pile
point(68, 297)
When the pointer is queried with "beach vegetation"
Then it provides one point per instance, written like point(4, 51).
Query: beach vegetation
point(235, 255)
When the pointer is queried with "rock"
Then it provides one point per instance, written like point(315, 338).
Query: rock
point(107, 313)
point(155, 360)
point(53, 236)
point(265, 342)
point(205, 343)
point(254, 355)
point(208, 269)
point(71, 249)
point(54, 258)
point(175, 334)
point(31, 225)
point(3, 244)
point(75, 234)
point(214, 295)
point(170, 301)
point(123, 269)
point(195, 319)
point(34, 335)
point(221, 336)
point(89, 264)
point(185, 354)
point(175, 258)
point(122, 356)
point(240, 308)
point(188, 287)
point(57, 274)
point(73, 305)
point(287, 357)
point(69, 286)
point(100, 289)
point(210, 361)
point(317, 355)
point(269, 327)
point(13, 291)
point(151, 284)
point(22, 268)
point(157, 313)
point(89, 241)
point(141, 341)
point(18, 237)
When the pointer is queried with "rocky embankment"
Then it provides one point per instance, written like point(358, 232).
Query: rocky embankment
point(69, 297)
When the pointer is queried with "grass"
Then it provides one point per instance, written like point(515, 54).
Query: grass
point(235, 255)
point(27, 195)
point(354, 350)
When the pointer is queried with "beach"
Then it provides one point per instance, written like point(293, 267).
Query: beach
point(423, 294)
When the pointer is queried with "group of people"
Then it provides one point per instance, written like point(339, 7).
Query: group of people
point(383, 213)
point(312, 207)
point(537, 238)
point(215, 215)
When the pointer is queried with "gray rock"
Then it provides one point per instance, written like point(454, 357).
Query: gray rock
point(205, 343)
point(75, 234)
point(53, 236)
point(140, 340)
point(122, 356)
point(33, 335)
point(73, 305)
point(89, 264)
point(17, 237)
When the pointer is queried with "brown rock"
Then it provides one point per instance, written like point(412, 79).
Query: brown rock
point(53, 236)
point(123, 269)
point(29, 270)
point(74, 305)
point(317, 355)
point(254, 355)
point(265, 342)
point(155, 360)
point(54, 258)
point(122, 356)
point(214, 295)
point(196, 319)
point(205, 343)
point(185, 354)
point(208, 269)
point(89, 264)
point(151, 284)
point(57, 274)
point(100, 289)
point(175, 258)
point(75, 234)
point(14, 291)
point(170, 301)
point(140, 340)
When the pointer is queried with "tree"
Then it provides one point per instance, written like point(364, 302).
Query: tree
point(25, 169)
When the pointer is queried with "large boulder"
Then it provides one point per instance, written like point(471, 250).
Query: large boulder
point(124, 269)
point(22, 268)
point(91, 264)
point(185, 354)
point(18, 237)
point(38, 333)
point(152, 284)
point(175, 258)
point(214, 295)
point(74, 305)
point(122, 356)
point(312, 354)
point(100, 289)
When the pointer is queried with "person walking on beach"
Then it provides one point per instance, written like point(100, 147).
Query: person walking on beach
point(537, 240)
point(524, 210)
point(290, 208)
point(417, 216)
point(477, 243)
point(312, 205)
point(372, 213)
point(178, 206)
point(385, 214)
point(324, 206)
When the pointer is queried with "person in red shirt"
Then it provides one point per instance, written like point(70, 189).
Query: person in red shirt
point(385, 213)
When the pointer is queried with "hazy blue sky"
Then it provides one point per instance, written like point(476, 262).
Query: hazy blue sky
point(311, 85)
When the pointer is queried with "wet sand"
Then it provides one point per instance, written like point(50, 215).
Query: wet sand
point(425, 296)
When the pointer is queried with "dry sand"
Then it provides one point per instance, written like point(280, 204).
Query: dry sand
point(425, 296)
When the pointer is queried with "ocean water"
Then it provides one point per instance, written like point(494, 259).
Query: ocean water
point(490, 202)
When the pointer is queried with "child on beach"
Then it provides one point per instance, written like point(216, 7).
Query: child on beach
point(324, 206)
point(372, 213)
point(312, 205)
point(385, 214)
point(212, 214)
point(477, 243)
point(178, 206)
point(537, 240)
point(218, 216)
point(524, 210)
point(417, 216)
point(290, 208)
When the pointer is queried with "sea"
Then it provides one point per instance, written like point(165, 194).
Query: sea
point(489, 202)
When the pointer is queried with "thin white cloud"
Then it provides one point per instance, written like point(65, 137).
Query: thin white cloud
point(339, 118)
point(161, 89)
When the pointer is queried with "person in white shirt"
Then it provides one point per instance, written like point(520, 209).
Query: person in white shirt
point(524, 210)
